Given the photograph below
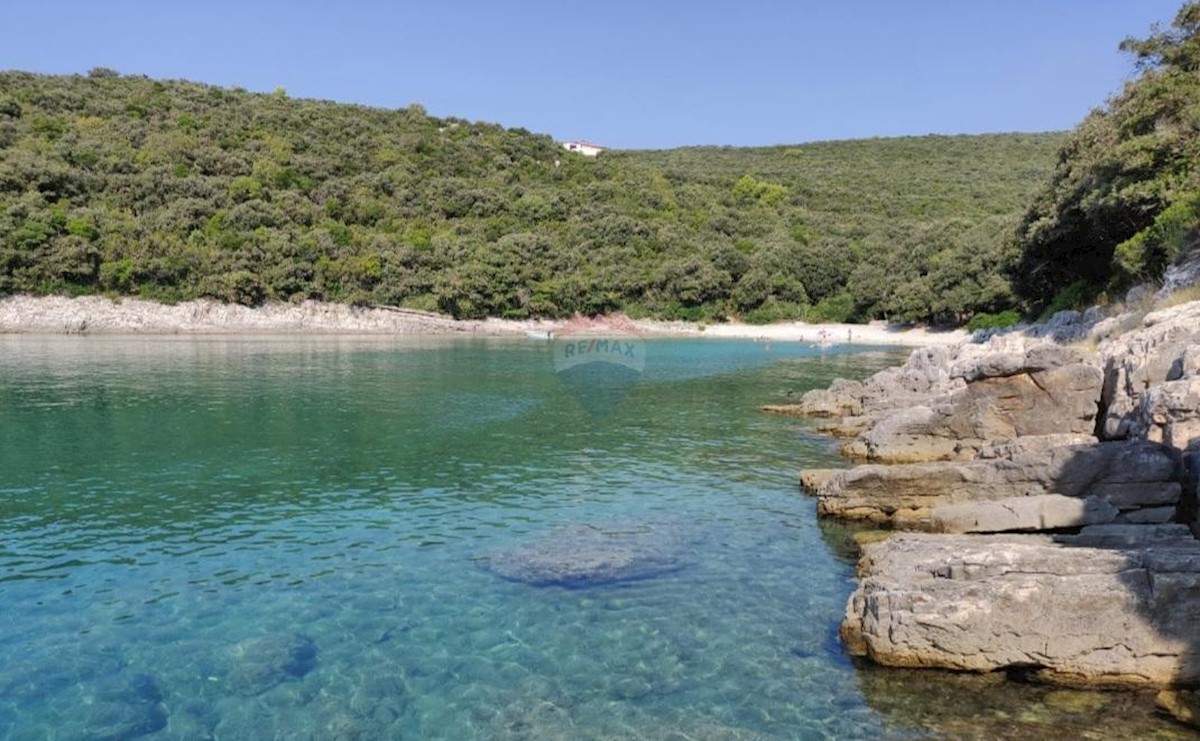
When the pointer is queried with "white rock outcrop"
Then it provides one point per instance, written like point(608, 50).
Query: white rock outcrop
point(1091, 450)
point(1097, 614)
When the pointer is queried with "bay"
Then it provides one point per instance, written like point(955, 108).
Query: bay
point(296, 537)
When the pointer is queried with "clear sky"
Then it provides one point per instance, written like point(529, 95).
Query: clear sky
point(629, 74)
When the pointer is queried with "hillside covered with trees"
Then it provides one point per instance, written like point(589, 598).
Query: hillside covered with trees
point(1124, 200)
point(174, 190)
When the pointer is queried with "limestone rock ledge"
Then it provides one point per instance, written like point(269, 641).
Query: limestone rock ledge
point(1031, 400)
point(1056, 472)
point(1142, 381)
point(1017, 415)
point(1129, 480)
point(1117, 607)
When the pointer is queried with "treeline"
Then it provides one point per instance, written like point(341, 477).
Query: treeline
point(174, 190)
point(916, 228)
point(1124, 200)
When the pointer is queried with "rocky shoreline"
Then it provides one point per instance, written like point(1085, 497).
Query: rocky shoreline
point(101, 315)
point(1047, 483)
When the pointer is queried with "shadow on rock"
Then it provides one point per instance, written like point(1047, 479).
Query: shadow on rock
point(987, 707)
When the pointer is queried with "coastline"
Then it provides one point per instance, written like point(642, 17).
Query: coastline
point(1027, 484)
point(100, 315)
point(874, 333)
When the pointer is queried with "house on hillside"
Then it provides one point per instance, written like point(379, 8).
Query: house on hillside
point(587, 149)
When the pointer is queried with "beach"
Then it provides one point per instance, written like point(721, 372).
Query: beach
point(101, 315)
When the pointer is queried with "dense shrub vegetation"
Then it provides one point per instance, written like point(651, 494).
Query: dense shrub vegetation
point(908, 229)
point(1001, 320)
point(173, 190)
point(1124, 201)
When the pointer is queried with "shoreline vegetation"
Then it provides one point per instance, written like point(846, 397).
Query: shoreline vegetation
point(93, 315)
point(171, 191)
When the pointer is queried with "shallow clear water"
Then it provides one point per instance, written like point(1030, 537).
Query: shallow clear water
point(289, 537)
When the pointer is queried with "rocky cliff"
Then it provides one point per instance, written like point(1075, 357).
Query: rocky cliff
point(1052, 475)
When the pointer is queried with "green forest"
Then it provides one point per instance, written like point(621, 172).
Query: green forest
point(175, 190)
point(1124, 200)
point(171, 190)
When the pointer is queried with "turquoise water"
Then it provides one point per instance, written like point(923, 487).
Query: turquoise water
point(291, 537)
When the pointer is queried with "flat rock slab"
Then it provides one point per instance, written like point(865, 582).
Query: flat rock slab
point(1127, 475)
point(1069, 612)
point(1043, 402)
point(790, 409)
point(1023, 514)
point(579, 556)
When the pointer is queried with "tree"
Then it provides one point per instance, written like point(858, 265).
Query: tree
point(1126, 164)
point(174, 190)
point(1176, 47)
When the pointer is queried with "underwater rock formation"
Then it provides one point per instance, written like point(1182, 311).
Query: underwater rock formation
point(589, 555)
point(258, 664)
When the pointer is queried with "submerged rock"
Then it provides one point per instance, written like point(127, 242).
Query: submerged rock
point(988, 707)
point(1073, 613)
point(590, 555)
point(258, 664)
point(792, 409)
point(118, 707)
point(537, 710)
point(1075, 701)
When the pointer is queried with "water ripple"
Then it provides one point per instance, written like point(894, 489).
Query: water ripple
point(262, 537)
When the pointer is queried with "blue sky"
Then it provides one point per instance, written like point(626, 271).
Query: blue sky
point(654, 73)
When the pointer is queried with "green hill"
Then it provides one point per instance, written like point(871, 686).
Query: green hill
point(1124, 200)
point(906, 228)
point(173, 190)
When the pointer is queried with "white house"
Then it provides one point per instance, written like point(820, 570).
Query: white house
point(587, 149)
